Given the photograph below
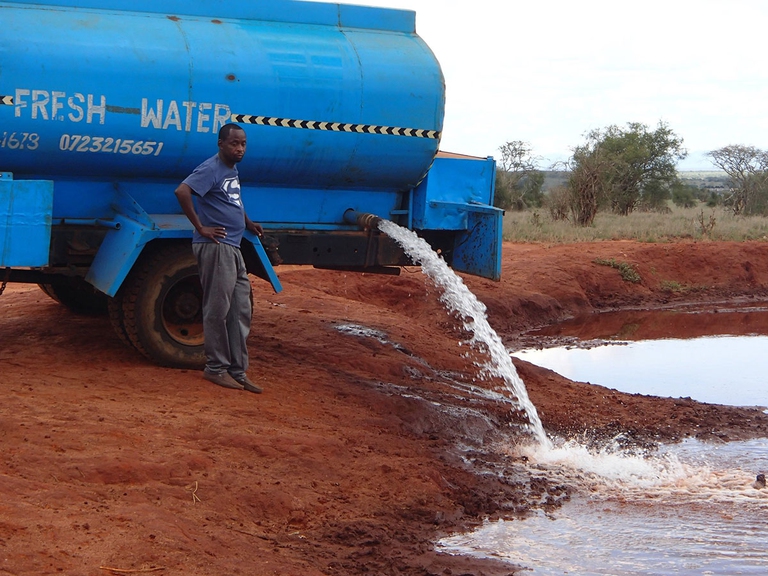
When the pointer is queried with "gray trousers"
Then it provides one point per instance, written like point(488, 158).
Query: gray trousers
point(226, 307)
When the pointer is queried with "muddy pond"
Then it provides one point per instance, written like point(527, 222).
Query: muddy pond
point(691, 508)
point(716, 356)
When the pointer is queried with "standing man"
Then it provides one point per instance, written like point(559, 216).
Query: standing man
point(219, 222)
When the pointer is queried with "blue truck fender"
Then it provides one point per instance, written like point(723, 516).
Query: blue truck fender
point(132, 229)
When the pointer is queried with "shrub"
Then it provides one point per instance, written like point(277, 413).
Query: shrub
point(626, 270)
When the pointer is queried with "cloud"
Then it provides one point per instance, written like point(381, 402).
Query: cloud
point(546, 72)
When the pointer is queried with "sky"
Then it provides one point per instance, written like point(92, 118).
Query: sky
point(548, 71)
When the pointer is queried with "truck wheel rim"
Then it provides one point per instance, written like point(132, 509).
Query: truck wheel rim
point(183, 312)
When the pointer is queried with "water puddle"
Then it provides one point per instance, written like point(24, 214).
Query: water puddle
point(715, 356)
point(685, 322)
point(595, 537)
point(719, 370)
point(690, 509)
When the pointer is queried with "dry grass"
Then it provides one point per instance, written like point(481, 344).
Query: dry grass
point(681, 223)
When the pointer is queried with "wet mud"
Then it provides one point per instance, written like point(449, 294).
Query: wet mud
point(374, 436)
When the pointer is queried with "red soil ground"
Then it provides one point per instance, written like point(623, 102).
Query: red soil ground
point(349, 463)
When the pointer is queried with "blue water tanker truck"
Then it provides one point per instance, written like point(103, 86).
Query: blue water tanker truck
point(105, 106)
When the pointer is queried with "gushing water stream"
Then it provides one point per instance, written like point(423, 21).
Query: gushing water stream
point(682, 510)
point(458, 299)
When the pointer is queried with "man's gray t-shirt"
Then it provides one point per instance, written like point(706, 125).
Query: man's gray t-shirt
point(218, 204)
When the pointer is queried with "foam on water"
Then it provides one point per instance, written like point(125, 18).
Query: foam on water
point(671, 474)
point(458, 299)
point(689, 509)
point(607, 464)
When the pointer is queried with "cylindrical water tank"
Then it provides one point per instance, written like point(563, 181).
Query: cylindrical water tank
point(330, 96)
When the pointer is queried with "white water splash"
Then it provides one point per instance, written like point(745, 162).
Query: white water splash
point(689, 509)
point(673, 473)
point(458, 299)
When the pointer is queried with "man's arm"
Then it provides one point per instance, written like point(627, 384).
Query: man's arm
point(254, 227)
point(184, 196)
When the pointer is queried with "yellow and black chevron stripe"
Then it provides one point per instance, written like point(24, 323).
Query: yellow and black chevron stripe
point(334, 126)
point(6, 100)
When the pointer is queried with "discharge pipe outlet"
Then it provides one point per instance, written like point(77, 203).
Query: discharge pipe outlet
point(365, 220)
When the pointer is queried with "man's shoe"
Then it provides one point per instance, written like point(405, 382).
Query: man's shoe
point(252, 388)
point(222, 379)
point(247, 385)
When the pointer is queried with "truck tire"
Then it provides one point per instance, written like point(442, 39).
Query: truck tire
point(115, 311)
point(161, 306)
point(77, 295)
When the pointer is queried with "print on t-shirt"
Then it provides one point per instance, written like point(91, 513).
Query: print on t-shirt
point(231, 187)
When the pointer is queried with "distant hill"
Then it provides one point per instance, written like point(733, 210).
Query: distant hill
point(554, 178)
point(701, 174)
point(708, 179)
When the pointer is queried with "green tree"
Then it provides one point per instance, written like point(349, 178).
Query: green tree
point(589, 168)
point(747, 168)
point(685, 195)
point(655, 196)
point(627, 167)
point(558, 202)
point(518, 180)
